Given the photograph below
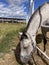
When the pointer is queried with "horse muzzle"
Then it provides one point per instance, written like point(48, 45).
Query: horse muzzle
point(24, 59)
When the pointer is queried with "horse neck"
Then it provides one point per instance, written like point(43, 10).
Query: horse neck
point(34, 24)
point(35, 20)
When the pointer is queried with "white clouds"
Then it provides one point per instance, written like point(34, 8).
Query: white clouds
point(14, 8)
point(16, 2)
point(4, 11)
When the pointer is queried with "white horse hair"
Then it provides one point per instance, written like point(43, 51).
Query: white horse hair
point(27, 41)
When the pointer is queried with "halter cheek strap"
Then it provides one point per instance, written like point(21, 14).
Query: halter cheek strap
point(32, 41)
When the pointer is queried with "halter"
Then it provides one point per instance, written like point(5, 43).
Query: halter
point(31, 39)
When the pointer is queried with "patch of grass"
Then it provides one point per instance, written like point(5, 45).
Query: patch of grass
point(6, 41)
point(9, 35)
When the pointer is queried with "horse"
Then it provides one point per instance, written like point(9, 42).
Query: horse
point(28, 37)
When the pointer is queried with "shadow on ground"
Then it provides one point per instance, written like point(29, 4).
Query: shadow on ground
point(43, 59)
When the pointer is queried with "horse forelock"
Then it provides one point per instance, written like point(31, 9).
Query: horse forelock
point(24, 36)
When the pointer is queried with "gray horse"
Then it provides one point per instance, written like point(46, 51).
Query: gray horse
point(27, 41)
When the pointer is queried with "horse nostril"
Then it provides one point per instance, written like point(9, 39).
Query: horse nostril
point(21, 55)
point(22, 59)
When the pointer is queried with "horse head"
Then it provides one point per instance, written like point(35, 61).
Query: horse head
point(27, 47)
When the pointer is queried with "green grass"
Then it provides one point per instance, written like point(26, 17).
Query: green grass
point(9, 35)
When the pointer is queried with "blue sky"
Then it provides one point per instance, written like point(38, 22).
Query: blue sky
point(14, 8)
point(17, 8)
point(39, 3)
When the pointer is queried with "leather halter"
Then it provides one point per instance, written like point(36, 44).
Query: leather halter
point(31, 39)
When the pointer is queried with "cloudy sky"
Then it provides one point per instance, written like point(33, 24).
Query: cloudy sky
point(17, 8)
point(14, 8)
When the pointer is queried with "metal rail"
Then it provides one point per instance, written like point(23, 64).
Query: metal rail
point(42, 52)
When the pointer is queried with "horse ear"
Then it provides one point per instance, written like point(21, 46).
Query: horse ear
point(20, 34)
